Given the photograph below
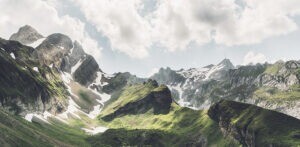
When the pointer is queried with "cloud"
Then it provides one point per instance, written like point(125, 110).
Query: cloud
point(133, 27)
point(258, 20)
point(175, 24)
point(44, 17)
point(120, 21)
point(253, 58)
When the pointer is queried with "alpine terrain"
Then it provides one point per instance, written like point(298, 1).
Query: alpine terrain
point(52, 93)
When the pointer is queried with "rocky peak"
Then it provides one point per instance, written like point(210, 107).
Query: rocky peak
point(53, 49)
point(226, 63)
point(56, 40)
point(167, 76)
point(26, 35)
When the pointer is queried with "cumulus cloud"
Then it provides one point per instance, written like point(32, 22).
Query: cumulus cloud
point(176, 23)
point(253, 58)
point(133, 27)
point(43, 16)
point(121, 22)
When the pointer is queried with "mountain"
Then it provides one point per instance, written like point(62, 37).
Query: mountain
point(55, 94)
point(254, 126)
point(272, 86)
point(26, 35)
point(135, 121)
point(189, 86)
point(26, 85)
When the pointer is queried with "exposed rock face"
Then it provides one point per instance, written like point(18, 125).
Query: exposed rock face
point(117, 82)
point(76, 55)
point(168, 76)
point(26, 35)
point(86, 72)
point(191, 87)
point(27, 86)
point(53, 49)
point(254, 126)
point(261, 84)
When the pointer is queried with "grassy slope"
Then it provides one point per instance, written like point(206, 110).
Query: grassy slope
point(274, 94)
point(16, 131)
point(269, 127)
point(179, 127)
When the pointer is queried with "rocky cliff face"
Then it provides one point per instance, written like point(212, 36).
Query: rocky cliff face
point(86, 73)
point(26, 35)
point(254, 126)
point(59, 76)
point(272, 86)
point(26, 85)
point(53, 49)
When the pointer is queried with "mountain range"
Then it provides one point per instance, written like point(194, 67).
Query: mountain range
point(53, 93)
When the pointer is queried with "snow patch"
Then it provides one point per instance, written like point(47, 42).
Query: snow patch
point(30, 116)
point(35, 69)
point(96, 111)
point(66, 77)
point(13, 55)
point(36, 43)
point(72, 108)
point(95, 130)
point(75, 67)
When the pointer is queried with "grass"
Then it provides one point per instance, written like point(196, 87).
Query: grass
point(86, 98)
point(130, 94)
point(184, 125)
point(274, 94)
point(269, 127)
point(274, 68)
point(16, 131)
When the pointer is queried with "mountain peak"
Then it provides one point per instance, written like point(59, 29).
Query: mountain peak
point(227, 63)
point(26, 35)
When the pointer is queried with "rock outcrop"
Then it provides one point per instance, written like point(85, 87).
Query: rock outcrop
point(26, 85)
point(272, 86)
point(26, 35)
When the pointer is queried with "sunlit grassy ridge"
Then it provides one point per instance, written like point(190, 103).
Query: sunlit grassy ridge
point(180, 126)
point(129, 94)
point(266, 126)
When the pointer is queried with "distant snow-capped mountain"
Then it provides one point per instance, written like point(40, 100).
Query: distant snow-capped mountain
point(272, 86)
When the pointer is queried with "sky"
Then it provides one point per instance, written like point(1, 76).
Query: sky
point(141, 36)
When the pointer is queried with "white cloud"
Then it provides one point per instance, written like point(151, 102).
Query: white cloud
point(258, 20)
point(176, 23)
point(121, 22)
point(253, 58)
point(43, 17)
point(173, 24)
